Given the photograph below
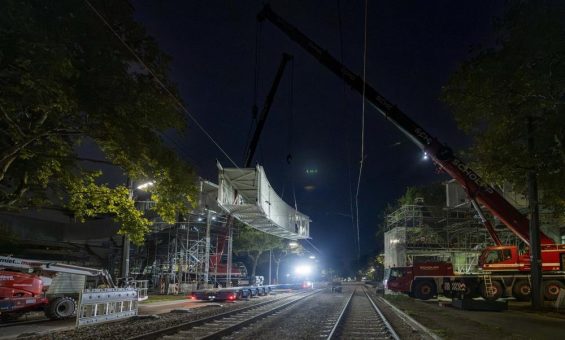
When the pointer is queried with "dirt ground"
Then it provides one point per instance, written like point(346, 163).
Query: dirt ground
point(518, 322)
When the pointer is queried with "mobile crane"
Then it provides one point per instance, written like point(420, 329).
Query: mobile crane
point(498, 259)
point(23, 287)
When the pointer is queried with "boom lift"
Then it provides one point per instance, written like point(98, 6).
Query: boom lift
point(24, 288)
point(491, 259)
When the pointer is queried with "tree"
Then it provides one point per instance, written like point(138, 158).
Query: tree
point(66, 79)
point(432, 194)
point(281, 252)
point(521, 77)
point(254, 243)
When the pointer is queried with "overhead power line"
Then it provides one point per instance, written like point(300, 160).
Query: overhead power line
point(175, 99)
point(362, 132)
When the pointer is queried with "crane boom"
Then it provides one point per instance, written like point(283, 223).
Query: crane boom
point(265, 111)
point(442, 155)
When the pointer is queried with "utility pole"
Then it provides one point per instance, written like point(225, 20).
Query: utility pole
point(535, 247)
point(125, 240)
point(270, 257)
point(230, 249)
point(207, 250)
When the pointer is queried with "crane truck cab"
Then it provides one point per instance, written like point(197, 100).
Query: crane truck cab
point(510, 258)
point(504, 258)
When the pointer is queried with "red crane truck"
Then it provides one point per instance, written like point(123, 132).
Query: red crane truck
point(509, 269)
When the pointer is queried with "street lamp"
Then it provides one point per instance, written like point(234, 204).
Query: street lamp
point(145, 185)
point(126, 241)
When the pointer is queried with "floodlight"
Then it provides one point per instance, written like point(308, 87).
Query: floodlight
point(302, 270)
point(145, 185)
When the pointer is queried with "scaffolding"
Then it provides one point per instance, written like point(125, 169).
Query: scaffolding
point(417, 233)
point(189, 254)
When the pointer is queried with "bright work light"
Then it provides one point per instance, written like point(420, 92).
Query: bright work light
point(302, 270)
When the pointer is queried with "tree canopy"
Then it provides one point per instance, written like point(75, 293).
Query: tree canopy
point(254, 243)
point(520, 78)
point(66, 79)
point(431, 194)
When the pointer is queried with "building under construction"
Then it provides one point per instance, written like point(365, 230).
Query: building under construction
point(419, 233)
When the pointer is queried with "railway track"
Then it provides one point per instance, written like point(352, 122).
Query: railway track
point(360, 318)
point(227, 323)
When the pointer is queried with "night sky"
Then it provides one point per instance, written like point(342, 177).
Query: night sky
point(412, 47)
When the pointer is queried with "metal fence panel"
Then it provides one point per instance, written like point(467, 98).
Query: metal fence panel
point(103, 305)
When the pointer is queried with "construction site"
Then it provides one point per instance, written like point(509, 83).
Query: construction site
point(454, 233)
point(192, 253)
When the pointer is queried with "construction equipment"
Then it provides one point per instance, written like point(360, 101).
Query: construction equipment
point(265, 111)
point(29, 285)
point(429, 279)
point(499, 258)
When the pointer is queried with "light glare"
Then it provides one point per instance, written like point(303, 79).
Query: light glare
point(302, 270)
point(145, 185)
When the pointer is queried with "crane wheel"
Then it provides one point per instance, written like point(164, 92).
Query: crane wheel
point(551, 289)
point(496, 291)
point(522, 290)
point(61, 308)
point(424, 290)
point(471, 290)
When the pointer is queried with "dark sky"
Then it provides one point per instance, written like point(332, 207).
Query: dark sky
point(412, 47)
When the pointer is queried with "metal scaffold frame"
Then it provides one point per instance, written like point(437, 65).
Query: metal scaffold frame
point(181, 257)
point(453, 232)
point(420, 233)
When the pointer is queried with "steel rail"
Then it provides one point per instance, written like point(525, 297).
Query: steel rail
point(385, 321)
point(194, 323)
point(415, 325)
point(338, 321)
point(343, 317)
point(230, 329)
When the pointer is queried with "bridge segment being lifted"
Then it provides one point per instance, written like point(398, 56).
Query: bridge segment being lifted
point(247, 195)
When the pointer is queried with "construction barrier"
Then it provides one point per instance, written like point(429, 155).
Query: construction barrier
point(103, 305)
point(141, 287)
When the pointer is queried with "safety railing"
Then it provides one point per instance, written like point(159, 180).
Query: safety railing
point(104, 305)
point(141, 286)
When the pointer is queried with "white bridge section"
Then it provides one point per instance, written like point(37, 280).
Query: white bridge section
point(248, 196)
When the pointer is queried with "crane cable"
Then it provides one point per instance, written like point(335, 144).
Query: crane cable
point(348, 127)
point(362, 131)
point(256, 77)
point(291, 133)
point(159, 82)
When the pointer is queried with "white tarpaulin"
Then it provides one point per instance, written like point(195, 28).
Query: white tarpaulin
point(247, 195)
